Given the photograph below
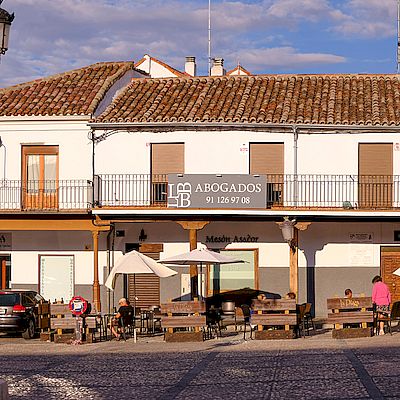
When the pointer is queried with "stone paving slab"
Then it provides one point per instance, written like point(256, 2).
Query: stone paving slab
point(317, 367)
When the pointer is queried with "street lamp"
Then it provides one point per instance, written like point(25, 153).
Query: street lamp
point(288, 227)
point(5, 24)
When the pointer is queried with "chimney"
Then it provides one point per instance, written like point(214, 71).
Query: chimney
point(190, 65)
point(218, 67)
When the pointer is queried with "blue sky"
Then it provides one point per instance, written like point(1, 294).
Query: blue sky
point(265, 36)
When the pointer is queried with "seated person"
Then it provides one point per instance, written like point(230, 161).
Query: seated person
point(125, 309)
point(290, 296)
point(348, 293)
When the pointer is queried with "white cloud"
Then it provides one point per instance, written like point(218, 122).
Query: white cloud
point(369, 18)
point(257, 60)
point(50, 36)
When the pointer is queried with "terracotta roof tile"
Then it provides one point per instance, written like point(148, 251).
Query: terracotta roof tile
point(280, 99)
point(76, 92)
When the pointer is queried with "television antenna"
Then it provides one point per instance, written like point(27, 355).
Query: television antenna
point(398, 36)
point(209, 37)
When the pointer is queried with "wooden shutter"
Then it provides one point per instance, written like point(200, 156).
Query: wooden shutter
point(147, 285)
point(375, 169)
point(167, 158)
point(268, 159)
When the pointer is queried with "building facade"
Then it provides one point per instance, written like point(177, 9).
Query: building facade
point(166, 165)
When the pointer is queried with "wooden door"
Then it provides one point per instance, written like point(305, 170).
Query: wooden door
point(390, 261)
point(40, 177)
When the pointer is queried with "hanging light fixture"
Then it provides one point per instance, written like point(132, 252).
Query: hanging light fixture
point(287, 227)
point(5, 24)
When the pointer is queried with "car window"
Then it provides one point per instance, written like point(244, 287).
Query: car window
point(27, 300)
point(9, 299)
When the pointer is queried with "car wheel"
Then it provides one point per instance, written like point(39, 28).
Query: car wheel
point(29, 333)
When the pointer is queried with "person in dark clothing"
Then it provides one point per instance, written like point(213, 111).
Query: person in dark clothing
point(125, 311)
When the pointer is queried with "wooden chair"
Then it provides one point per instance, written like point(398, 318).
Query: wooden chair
point(308, 318)
point(388, 318)
point(213, 320)
point(247, 320)
point(127, 324)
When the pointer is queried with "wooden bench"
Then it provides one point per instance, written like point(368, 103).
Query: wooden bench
point(182, 321)
point(275, 318)
point(351, 317)
point(58, 324)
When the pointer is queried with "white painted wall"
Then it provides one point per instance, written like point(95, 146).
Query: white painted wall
point(27, 246)
point(155, 69)
point(75, 150)
point(336, 154)
point(225, 152)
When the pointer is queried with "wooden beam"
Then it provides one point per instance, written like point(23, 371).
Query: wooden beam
point(193, 224)
point(51, 225)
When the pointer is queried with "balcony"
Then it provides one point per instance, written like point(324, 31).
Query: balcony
point(291, 192)
point(50, 195)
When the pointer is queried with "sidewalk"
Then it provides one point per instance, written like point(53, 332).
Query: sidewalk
point(317, 367)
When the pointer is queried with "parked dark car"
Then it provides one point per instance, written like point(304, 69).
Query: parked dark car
point(19, 311)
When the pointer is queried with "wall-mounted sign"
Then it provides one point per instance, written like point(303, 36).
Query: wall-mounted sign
point(231, 239)
point(361, 237)
point(5, 241)
point(216, 191)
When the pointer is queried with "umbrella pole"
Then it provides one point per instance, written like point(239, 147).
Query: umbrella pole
point(134, 295)
point(201, 281)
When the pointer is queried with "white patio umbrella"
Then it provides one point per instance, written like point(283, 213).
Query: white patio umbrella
point(137, 263)
point(201, 257)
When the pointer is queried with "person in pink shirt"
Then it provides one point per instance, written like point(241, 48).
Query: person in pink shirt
point(381, 298)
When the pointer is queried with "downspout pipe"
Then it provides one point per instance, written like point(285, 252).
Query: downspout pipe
point(295, 171)
point(110, 261)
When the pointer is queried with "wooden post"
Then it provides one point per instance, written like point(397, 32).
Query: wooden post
point(294, 264)
point(194, 272)
point(193, 227)
point(3, 274)
point(293, 256)
point(170, 330)
point(287, 327)
point(259, 327)
point(96, 284)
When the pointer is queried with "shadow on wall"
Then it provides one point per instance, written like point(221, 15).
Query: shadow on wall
point(324, 282)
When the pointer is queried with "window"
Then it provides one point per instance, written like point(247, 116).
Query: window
point(268, 159)
point(166, 158)
point(57, 277)
point(40, 176)
point(226, 277)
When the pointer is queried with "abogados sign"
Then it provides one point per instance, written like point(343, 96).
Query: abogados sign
point(216, 191)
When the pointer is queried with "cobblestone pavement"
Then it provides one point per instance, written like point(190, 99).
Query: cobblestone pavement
point(317, 367)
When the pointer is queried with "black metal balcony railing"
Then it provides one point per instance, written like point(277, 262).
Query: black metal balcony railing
point(46, 195)
point(285, 191)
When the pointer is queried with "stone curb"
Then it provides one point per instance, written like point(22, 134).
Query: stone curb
point(3, 390)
